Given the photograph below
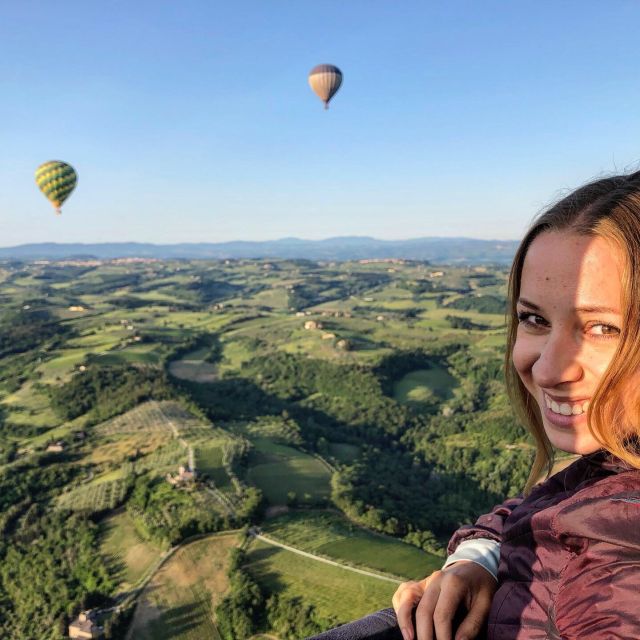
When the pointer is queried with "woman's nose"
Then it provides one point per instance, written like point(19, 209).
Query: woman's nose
point(558, 362)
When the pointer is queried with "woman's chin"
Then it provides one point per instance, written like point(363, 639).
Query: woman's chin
point(569, 441)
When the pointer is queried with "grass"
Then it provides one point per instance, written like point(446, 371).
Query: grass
point(94, 497)
point(420, 385)
point(128, 555)
point(276, 298)
point(194, 370)
point(278, 469)
point(179, 601)
point(209, 461)
point(336, 593)
point(30, 407)
point(344, 452)
point(117, 448)
point(143, 354)
point(147, 417)
point(332, 535)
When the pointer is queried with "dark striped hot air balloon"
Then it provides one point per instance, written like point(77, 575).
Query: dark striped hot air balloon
point(325, 80)
point(56, 180)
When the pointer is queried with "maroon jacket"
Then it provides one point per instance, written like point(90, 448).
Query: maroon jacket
point(569, 557)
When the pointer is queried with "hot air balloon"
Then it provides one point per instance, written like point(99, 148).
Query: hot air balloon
point(56, 180)
point(325, 80)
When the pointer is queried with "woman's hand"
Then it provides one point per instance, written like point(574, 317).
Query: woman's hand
point(439, 596)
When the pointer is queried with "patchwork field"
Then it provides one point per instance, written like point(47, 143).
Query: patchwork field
point(332, 535)
point(179, 601)
point(210, 323)
point(129, 557)
point(277, 470)
point(336, 593)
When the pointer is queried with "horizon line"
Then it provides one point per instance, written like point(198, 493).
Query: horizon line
point(283, 239)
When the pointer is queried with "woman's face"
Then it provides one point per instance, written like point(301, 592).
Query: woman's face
point(570, 316)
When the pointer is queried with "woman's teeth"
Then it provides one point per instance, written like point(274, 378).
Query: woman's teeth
point(566, 408)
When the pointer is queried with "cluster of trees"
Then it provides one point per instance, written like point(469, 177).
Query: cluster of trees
point(347, 395)
point(167, 515)
point(319, 287)
point(397, 493)
point(106, 391)
point(412, 479)
point(101, 283)
point(482, 304)
point(248, 609)
point(35, 479)
point(25, 335)
point(240, 613)
point(26, 329)
point(211, 289)
point(48, 566)
point(458, 322)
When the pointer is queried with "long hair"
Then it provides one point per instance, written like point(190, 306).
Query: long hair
point(608, 208)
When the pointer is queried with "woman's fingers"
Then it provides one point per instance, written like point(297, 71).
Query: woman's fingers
point(474, 620)
point(426, 607)
point(453, 591)
point(404, 601)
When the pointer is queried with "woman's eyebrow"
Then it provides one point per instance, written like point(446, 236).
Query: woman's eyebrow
point(585, 309)
point(597, 309)
point(525, 303)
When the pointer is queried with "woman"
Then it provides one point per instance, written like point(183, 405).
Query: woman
point(569, 549)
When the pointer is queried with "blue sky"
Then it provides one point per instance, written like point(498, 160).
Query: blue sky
point(193, 121)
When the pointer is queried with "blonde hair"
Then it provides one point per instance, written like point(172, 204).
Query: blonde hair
point(608, 208)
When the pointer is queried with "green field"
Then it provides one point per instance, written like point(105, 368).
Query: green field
point(337, 593)
point(179, 601)
point(204, 321)
point(129, 557)
point(29, 407)
point(277, 469)
point(344, 452)
point(419, 386)
point(209, 461)
point(332, 535)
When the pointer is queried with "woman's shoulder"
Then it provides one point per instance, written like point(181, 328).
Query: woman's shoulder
point(607, 510)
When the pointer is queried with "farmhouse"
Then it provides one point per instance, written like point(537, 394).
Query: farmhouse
point(184, 476)
point(55, 447)
point(84, 626)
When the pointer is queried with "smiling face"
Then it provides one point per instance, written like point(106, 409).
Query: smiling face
point(569, 320)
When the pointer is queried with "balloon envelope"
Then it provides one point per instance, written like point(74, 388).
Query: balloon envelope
point(56, 180)
point(325, 80)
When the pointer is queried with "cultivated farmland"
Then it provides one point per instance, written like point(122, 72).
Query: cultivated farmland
point(179, 601)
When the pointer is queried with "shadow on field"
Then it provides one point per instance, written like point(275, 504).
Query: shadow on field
point(178, 621)
point(258, 562)
point(238, 398)
point(115, 564)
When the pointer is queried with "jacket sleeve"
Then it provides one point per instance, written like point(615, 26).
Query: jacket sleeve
point(598, 592)
point(488, 526)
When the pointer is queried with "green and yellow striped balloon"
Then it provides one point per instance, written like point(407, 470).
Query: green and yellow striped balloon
point(56, 180)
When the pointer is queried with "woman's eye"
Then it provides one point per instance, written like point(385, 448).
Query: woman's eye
point(604, 330)
point(531, 319)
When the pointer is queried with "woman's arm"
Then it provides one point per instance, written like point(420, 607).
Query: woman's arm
point(488, 526)
point(461, 581)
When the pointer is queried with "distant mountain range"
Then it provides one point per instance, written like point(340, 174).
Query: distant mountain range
point(436, 250)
